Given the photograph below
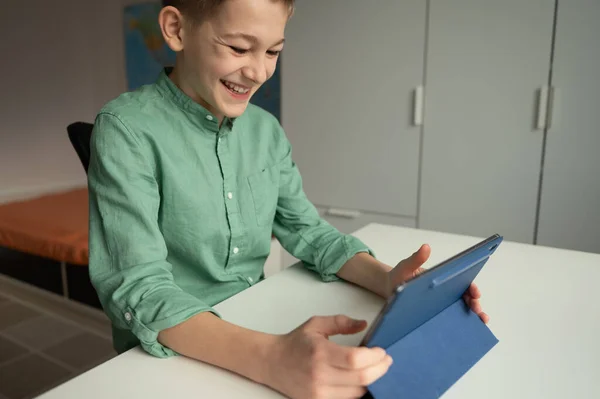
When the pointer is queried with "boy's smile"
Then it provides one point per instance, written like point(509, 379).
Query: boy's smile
point(225, 58)
point(237, 91)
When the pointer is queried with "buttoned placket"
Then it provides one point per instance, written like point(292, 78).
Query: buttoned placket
point(237, 243)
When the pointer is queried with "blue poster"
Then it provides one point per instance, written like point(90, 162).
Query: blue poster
point(146, 54)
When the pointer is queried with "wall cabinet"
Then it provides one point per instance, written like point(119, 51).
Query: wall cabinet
point(466, 116)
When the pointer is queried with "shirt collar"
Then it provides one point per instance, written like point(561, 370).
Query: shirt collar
point(170, 89)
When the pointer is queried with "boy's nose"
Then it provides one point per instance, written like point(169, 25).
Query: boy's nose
point(256, 71)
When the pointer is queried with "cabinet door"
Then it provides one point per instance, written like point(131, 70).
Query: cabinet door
point(347, 221)
point(570, 200)
point(349, 71)
point(486, 62)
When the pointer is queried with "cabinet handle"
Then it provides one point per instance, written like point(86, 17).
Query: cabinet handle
point(551, 104)
point(418, 106)
point(343, 213)
point(542, 108)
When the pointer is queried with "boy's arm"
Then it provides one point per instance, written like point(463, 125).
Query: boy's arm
point(210, 339)
point(128, 255)
point(301, 230)
point(300, 364)
point(303, 233)
point(367, 272)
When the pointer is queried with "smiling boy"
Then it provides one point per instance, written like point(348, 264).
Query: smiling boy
point(188, 181)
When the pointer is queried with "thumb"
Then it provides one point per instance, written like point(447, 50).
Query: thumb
point(333, 325)
point(409, 266)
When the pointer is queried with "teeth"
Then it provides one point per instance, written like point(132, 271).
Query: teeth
point(235, 87)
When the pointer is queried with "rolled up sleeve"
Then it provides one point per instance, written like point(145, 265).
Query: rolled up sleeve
point(127, 252)
point(302, 232)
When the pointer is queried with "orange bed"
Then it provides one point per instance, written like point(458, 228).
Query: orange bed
point(54, 226)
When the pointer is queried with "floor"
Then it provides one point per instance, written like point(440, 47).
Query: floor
point(46, 340)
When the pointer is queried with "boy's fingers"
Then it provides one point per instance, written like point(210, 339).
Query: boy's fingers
point(474, 291)
point(360, 377)
point(422, 254)
point(476, 306)
point(365, 376)
point(484, 317)
point(411, 265)
point(467, 298)
point(333, 325)
point(345, 357)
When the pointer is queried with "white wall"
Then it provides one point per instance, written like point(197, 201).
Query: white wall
point(61, 61)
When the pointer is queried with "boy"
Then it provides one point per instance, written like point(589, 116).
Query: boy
point(187, 183)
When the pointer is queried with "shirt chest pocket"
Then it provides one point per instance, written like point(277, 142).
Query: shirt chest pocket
point(264, 187)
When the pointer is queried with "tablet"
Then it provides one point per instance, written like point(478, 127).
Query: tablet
point(420, 299)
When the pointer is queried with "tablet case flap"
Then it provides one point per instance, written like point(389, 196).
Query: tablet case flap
point(431, 358)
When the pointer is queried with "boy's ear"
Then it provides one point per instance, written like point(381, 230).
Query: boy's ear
point(171, 24)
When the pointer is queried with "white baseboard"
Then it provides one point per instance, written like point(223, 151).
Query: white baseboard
point(22, 193)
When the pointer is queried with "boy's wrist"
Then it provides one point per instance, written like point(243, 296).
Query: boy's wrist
point(366, 271)
point(264, 357)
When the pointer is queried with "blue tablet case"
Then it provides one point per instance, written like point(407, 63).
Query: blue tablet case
point(432, 335)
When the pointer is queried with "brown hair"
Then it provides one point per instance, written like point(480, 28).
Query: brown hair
point(199, 9)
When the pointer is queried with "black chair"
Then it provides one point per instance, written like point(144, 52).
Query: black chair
point(80, 134)
point(82, 290)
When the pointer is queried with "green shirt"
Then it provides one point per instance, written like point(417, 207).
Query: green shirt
point(182, 210)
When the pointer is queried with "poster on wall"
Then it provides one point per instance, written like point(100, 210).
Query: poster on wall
point(146, 54)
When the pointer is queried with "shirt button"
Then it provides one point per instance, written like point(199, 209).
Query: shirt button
point(209, 117)
point(250, 280)
point(220, 140)
point(236, 250)
point(128, 316)
point(230, 195)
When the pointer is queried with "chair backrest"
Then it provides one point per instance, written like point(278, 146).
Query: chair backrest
point(80, 134)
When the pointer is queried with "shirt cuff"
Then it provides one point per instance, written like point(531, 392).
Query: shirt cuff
point(338, 256)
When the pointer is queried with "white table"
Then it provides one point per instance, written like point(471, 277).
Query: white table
point(543, 302)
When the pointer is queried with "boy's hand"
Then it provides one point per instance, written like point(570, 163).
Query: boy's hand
point(305, 364)
point(411, 267)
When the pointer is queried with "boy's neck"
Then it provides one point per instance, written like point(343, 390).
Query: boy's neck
point(178, 80)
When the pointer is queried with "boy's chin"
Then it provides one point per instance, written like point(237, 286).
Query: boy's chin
point(235, 111)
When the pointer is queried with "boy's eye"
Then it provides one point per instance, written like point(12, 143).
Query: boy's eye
point(274, 53)
point(238, 50)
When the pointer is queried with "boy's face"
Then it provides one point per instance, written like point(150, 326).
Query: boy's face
point(231, 54)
